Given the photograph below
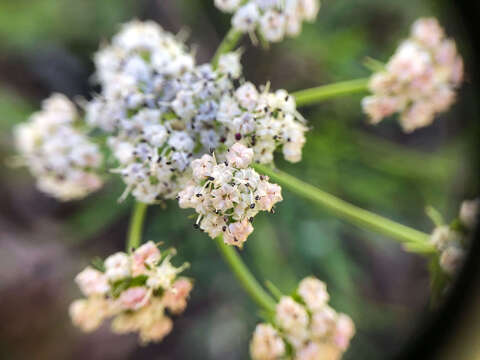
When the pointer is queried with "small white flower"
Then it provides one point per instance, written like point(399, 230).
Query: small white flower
point(272, 25)
point(345, 330)
point(323, 322)
point(469, 212)
point(442, 236)
point(117, 266)
point(314, 293)
point(318, 351)
point(452, 258)
point(163, 275)
point(266, 343)
point(246, 17)
point(175, 298)
point(309, 9)
point(145, 256)
point(134, 298)
point(229, 63)
point(428, 31)
point(238, 232)
point(291, 316)
point(203, 167)
point(181, 141)
point(239, 156)
point(92, 282)
point(377, 108)
point(88, 314)
point(247, 96)
point(228, 5)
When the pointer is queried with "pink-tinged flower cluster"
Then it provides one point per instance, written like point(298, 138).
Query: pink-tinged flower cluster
point(137, 290)
point(58, 152)
point(451, 240)
point(228, 195)
point(304, 329)
point(420, 79)
point(272, 19)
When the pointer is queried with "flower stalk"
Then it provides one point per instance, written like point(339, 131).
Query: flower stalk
point(228, 44)
point(244, 276)
point(413, 240)
point(324, 92)
point(136, 225)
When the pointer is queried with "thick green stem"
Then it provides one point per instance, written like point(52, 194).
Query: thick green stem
point(320, 93)
point(136, 226)
point(228, 44)
point(413, 240)
point(244, 276)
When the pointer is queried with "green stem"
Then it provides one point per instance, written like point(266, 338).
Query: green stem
point(136, 225)
point(320, 93)
point(252, 287)
point(228, 44)
point(413, 240)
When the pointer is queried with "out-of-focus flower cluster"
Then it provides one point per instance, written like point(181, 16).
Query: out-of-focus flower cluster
point(57, 151)
point(304, 327)
point(451, 240)
point(162, 111)
point(420, 79)
point(272, 19)
point(228, 195)
point(136, 290)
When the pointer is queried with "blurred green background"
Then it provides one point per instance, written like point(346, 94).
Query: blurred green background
point(47, 45)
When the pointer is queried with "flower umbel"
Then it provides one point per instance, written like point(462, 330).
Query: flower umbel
point(451, 240)
point(228, 195)
point(311, 328)
point(419, 80)
point(136, 290)
point(58, 152)
point(273, 20)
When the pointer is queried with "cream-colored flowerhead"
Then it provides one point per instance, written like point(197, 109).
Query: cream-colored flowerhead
point(58, 152)
point(267, 343)
point(263, 120)
point(273, 20)
point(420, 79)
point(304, 324)
point(451, 241)
point(138, 290)
point(228, 195)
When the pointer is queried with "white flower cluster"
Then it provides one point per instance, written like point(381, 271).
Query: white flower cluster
point(136, 290)
point(228, 195)
point(311, 328)
point(162, 111)
point(273, 19)
point(263, 121)
point(57, 152)
point(139, 74)
point(420, 79)
point(452, 240)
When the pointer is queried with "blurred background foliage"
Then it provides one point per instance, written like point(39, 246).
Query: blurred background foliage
point(46, 46)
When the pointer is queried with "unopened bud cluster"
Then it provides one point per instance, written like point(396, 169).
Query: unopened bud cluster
point(273, 20)
point(57, 151)
point(136, 290)
point(451, 240)
point(420, 79)
point(304, 327)
point(161, 111)
point(228, 195)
